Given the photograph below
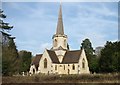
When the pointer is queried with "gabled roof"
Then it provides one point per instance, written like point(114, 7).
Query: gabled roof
point(69, 57)
point(72, 57)
point(53, 56)
point(36, 60)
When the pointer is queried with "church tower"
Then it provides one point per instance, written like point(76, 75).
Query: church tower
point(59, 38)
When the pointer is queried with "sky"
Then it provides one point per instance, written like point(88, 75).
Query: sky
point(35, 23)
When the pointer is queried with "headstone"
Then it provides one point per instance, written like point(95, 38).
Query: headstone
point(27, 73)
point(30, 74)
point(23, 74)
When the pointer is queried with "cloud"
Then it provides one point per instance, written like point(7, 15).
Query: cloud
point(45, 45)
point(94, 24)
point(33, 46)
point(35, 25)
point(99, 13)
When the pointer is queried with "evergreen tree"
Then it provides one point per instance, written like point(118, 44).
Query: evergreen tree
point(86, 44)
point(118, 55)
point(92, 59)
point(10, 58)
point(3, 25)
point(9, 52)
point(110, 57)
point(25, 60)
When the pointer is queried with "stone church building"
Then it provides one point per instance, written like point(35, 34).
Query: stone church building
point(59, 59)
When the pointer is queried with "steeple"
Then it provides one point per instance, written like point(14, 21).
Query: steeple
point(60, 28)
point(59, 38)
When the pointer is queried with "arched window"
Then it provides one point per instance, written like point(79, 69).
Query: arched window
point(55, 43)
point(64, 42)
point(64, 67)
point(73, 67)
point(45, 63)
point(83, 63)
point(33, 71)
point(55, 67)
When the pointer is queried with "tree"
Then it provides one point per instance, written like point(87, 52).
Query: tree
point(118, 55)
point(86, 44)
point(9, 58)
point(92, 59)
point(9, 52)
point(25, 60)
point(110, 57)
point(94, 64)
point(3, 25)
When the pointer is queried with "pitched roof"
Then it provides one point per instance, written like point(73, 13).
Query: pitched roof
point(53, 56)
point(36, 60)
point(71, 57)
point(60, 29)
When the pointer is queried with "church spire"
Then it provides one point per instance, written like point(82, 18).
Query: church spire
point(60, 28)
point(59, 38)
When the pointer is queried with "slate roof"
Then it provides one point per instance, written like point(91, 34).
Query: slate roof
point(36, 60)
point(71, 57)
point(53, 56)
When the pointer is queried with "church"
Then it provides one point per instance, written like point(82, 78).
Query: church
point(59, 59)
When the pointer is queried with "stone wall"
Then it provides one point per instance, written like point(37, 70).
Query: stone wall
point(41, 64)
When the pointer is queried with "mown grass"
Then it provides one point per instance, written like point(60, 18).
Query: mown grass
point(41, 78)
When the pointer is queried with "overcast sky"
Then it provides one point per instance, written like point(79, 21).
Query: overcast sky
point(35, 23)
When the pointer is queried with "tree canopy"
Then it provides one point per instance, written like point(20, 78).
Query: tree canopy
point(110, 57)
point(87, 45)
point(109, 60)
point(9, 58)
point(92, 59)
point(25, 57)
